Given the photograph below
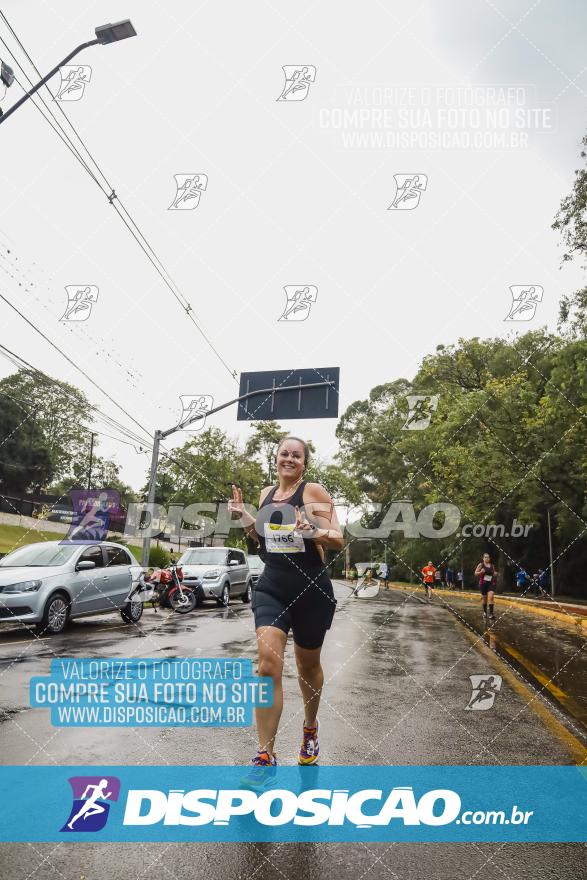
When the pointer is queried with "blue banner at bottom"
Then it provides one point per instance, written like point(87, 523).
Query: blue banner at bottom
point(327, 804)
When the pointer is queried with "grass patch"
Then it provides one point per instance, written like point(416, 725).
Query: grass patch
point(12, 537)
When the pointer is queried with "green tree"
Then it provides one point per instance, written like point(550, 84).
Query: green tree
point(571, 222)
point(204, 469)
point(262, 446)
point(25, 461)
point(59, 413)
point(507, 441)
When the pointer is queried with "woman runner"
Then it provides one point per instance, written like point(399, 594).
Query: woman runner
point(487, 574)
point(294, 592)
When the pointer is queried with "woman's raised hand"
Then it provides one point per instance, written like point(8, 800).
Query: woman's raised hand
point(303, 524)
point(236, 504)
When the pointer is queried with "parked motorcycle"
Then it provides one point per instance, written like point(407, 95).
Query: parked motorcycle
point(163, 587)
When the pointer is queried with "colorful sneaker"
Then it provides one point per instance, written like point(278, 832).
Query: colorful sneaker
point(262, 771)
point(310, 748)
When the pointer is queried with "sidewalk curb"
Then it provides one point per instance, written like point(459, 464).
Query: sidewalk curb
point(566, 617)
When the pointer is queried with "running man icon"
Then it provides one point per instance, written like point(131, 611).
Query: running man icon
point(485, 690)
point(74, 79)
point(299, 302)
point(297, 82)
point(409, 189)
point(90, 808)
point(189, 188)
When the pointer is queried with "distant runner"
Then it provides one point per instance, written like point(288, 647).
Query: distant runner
point(521, 580)
point(428, 573)
point(487, 574)
point(383, 573)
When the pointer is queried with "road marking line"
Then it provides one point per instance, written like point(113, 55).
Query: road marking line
point(576, 748)
point(567, 700)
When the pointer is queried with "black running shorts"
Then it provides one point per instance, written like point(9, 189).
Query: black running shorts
point(304, 604)
point(486, 587)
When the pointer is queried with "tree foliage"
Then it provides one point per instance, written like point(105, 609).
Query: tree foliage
point(508, 440)
point(571, 222)
point(25, 463)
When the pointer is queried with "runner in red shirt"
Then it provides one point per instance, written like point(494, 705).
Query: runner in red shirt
point(428, 573)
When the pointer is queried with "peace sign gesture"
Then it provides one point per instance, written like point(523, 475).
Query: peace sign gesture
point(236, 504)
point(303, 525)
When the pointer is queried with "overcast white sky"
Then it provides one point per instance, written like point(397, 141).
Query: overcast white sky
point(288, 201)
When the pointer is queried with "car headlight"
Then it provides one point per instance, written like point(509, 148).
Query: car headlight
point(23, 587)
point(212, 574)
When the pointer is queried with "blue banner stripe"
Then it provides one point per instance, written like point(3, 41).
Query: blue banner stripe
point(371, 803)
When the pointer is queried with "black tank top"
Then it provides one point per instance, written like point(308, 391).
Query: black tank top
point(279, 547)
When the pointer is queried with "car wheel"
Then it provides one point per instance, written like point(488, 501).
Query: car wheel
point(248, 593)
point(224, 600)
point(56, 615)
point(132, 612)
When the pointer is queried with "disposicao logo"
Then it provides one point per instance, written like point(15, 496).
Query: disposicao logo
point(90, 808)
point(281, 807)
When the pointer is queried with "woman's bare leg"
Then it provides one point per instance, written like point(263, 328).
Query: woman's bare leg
point(311, 679)
point(271, 644)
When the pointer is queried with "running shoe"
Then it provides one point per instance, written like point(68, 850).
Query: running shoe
point(310, 748)
point(263, 770)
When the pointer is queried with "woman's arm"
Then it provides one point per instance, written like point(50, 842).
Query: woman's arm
point(321, 513)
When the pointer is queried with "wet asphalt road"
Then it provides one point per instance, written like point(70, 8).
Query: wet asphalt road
point(551, 655)
point(397, 683)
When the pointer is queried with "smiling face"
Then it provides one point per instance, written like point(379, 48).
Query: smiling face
point(290, 460)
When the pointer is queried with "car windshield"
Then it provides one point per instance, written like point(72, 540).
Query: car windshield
point(204, 556)
point(255, 562)
point(39, 555)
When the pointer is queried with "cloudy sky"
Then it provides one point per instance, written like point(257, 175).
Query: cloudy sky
point(483, 100)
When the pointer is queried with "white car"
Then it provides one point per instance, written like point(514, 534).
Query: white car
point(50, 583)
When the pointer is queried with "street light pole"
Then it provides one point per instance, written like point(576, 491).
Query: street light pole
point(151, 494)
point(550, 552)
point(106, 33)
point(161, 435)
point(91, 459)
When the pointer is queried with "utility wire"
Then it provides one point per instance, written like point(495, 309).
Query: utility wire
point(73, 363)
point(115, 201)
point(21, 363)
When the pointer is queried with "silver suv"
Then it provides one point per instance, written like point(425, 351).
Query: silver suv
point(219, 573)
point(49, 583)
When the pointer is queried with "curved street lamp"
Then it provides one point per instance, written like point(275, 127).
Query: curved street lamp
point(105, 33)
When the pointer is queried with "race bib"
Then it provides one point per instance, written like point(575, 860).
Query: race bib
point(283, 539)
point(487, 578)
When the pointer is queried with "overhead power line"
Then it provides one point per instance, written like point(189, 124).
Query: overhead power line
point(110, 193)
point(73, 363)
point(21, 364)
